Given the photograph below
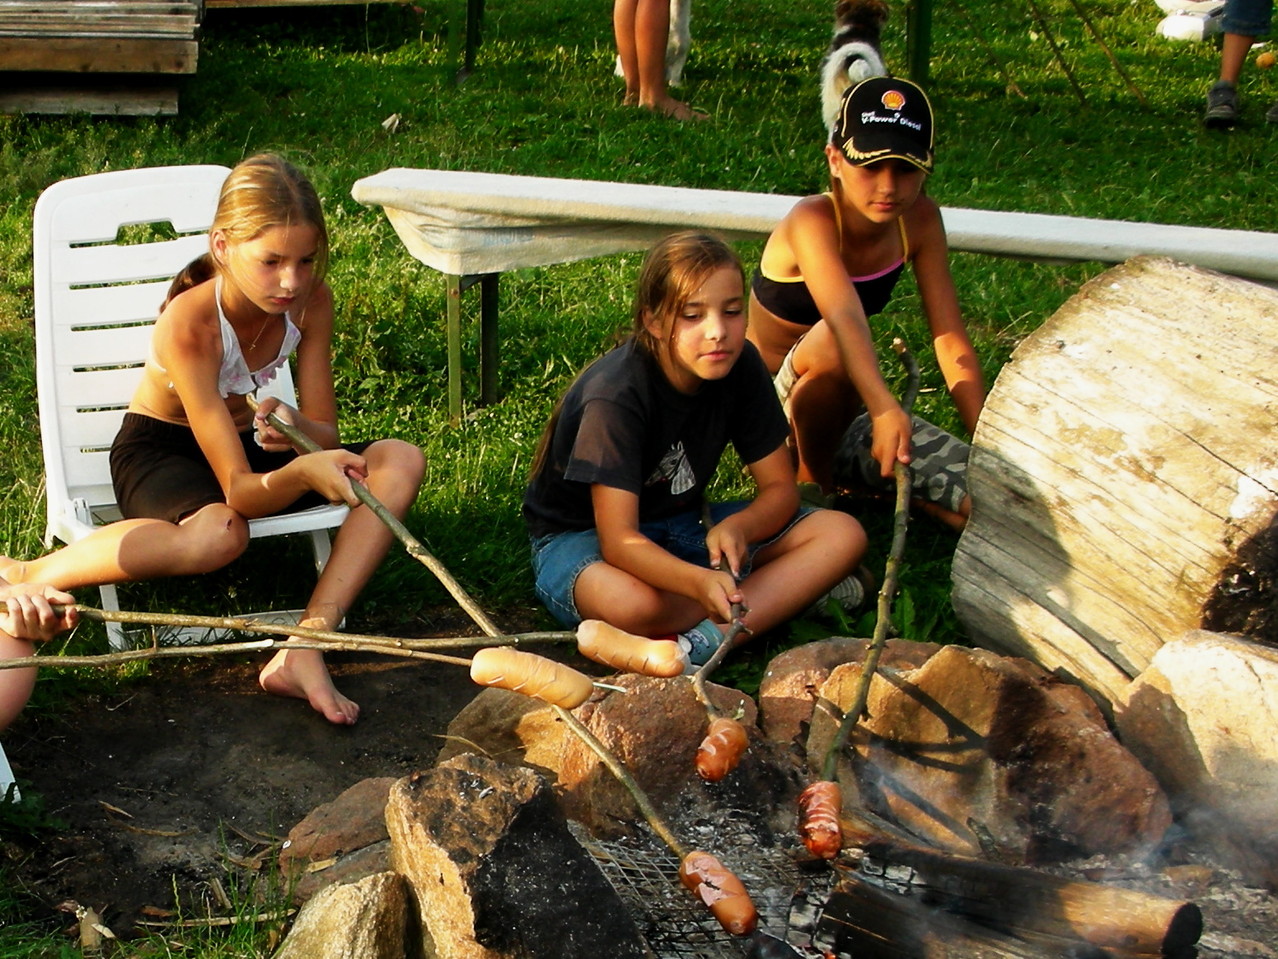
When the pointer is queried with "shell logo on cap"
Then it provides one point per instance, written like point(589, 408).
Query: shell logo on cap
point(893, 99)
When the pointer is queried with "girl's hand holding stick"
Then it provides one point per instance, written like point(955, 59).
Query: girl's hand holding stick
point(410, 542)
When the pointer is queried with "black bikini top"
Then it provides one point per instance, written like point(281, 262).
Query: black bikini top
point(788, 298)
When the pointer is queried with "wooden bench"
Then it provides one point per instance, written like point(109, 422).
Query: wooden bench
point(52, 44)
point(473, 226)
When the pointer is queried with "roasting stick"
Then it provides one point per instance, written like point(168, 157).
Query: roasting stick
point(820, 803)
point(891, 576)
point(411, 543)
point(700, 872)
point(498, 664)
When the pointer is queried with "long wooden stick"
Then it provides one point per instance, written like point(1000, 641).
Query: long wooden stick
point(1118, 67)
point(891, 576)
point(303, 637)
point(1056, 50)
point(411, 543)
point(618, 769)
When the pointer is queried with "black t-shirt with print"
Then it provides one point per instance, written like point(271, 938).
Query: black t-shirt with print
point(623, 425)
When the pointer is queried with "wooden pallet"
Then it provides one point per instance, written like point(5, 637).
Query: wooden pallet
point(96, 56)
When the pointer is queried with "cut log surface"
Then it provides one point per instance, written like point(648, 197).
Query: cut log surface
point(1124, 452)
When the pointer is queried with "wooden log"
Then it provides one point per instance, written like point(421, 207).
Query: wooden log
point(1123, 453)
point(1034, 905)
point(868, 922)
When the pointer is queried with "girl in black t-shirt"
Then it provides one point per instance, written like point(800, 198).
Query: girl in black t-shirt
point(614, 507)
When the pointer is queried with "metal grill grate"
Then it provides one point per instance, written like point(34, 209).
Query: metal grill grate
point(645, 874)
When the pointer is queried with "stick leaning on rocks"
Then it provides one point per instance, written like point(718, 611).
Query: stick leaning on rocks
point(821, 802)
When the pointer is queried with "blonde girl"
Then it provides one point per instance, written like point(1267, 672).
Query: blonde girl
point(614, 507)
point(831, 263)
point(192, 463)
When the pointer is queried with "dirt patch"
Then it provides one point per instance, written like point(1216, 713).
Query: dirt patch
point(180, 778)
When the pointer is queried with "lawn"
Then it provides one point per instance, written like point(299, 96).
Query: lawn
point(1015, 132)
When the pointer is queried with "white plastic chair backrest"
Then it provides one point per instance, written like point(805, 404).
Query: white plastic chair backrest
point(106, 247)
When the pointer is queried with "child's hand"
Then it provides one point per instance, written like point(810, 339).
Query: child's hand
point(265, 435)
point(727, 547)
point(331, 473)
point(890, 439)
point(28, 613)
point(717, 592)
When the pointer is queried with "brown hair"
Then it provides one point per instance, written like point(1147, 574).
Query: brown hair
point(262, 192)
point(674, 269)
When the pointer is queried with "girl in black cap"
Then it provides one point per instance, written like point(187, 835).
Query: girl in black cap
point(831, 263)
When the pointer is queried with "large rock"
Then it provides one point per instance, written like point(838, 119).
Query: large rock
point(654, 727)
point(1204, 719)
point(984, 754)
point(495, 872)
point(363, 920)
point(509, 727)
point(788, 693)
point(340, 841)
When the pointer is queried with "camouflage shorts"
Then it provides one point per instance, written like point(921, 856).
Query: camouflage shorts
point(938, 463)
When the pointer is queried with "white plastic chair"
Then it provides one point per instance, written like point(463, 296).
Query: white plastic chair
point(105, 252)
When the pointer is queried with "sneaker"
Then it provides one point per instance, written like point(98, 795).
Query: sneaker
point(699, 643)
point(1272, 115)
point(1222, 105)
point(851, 593)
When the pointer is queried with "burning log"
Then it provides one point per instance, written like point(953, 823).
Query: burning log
point(1032, 904)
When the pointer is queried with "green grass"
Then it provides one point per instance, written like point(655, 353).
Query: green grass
point(1013, 135)
point(315, 84)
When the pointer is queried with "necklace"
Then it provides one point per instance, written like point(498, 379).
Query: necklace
point(260, 330)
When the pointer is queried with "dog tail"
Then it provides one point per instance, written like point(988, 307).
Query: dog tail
point(854, 53)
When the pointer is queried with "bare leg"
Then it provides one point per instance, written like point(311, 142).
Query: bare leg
point(787, 578)
point(1233, 54)
point(799, 568)
point(623, 29)
point(139, 549)
point(15, 684)
point(955, 521)
point(395, 472)
point(821, 407)
point(613, 595)
point(642, 31)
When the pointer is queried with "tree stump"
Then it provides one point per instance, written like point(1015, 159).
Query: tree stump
point(1126, 452)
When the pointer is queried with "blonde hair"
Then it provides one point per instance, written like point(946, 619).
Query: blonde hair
point(260, 193)
point(674, 269)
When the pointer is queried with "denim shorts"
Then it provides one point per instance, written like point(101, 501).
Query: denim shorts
point(559, 558)
point(1249, 18)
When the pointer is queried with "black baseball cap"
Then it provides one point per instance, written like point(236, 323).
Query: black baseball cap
point(884, 118)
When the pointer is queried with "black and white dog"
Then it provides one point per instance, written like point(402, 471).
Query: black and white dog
point(854, 53)
point(678, 44)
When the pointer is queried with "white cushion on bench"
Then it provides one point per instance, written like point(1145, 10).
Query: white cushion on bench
point(459, 222)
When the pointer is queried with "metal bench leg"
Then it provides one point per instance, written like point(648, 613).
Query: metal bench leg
point(489, 338)
point(454, 347)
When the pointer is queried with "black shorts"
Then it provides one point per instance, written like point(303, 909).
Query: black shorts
point(158, 470)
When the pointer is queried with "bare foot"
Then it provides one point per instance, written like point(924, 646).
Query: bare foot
point(630, 98)
point(301, 673)
point(675, 109)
